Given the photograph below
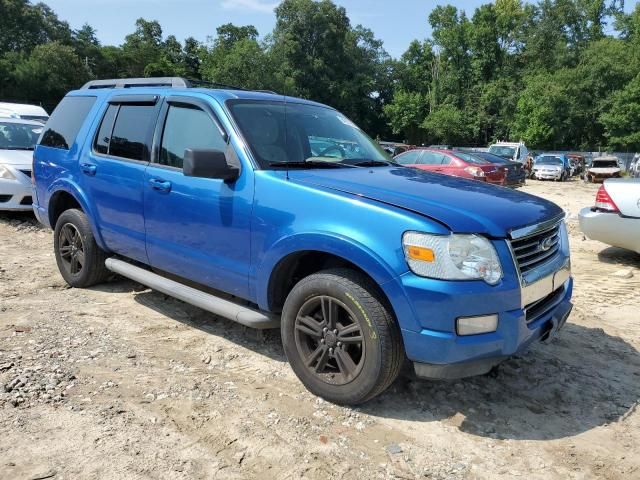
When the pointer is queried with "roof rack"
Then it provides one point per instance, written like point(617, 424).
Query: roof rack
point(173, 82)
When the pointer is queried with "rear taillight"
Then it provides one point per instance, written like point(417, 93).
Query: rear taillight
point(604, 201)
point(475, 171)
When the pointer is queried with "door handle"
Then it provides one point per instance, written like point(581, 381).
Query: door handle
point(88, 168)
point(160, 185)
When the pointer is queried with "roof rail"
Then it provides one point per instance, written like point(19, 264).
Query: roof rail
point(173, 82)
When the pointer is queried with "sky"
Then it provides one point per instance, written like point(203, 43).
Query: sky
point(395, 22)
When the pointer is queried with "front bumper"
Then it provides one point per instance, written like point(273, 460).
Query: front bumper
point(611, 228)
point(528, 311)
point(547, 175)
point(15, 194)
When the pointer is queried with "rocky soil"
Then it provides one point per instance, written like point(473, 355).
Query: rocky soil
point(119, 382)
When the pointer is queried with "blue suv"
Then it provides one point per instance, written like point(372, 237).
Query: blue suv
point(274, 211)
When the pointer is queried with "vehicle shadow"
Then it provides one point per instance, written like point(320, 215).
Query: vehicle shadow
point(619, 256)
point(264, 342)
point(583, 379)
point(19, 218)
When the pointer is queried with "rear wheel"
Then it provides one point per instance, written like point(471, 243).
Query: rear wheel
point(79, 259)
point(340, 339)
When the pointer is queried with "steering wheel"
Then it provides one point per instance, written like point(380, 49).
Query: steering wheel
point(338, 148)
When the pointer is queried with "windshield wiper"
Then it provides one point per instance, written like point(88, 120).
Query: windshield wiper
point(17, 148)
point(309, 164)
point(371, 163)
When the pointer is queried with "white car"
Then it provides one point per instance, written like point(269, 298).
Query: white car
point(548, 167)
point(23, 111)
point(615, 218)
point(17, 141)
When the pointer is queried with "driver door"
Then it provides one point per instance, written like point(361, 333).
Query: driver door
point(196, 228)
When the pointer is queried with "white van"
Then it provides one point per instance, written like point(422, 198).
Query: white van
point(23, 111)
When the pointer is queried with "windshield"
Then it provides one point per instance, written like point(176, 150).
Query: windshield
point(549, 161)
point(18, 136)
point(506, 152)
point(605, 164)
point(303, 134)
point(471, 159)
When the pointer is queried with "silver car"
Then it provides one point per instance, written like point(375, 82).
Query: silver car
point(17, 140)
point(615, 218)
point(548, 167)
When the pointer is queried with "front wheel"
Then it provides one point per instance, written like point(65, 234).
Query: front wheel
point(341, 340)
point(80, 260)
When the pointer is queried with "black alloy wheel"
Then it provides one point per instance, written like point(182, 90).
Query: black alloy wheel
point(330, 340)
point(71, 249)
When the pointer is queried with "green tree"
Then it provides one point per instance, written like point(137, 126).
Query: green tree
point(622, 121)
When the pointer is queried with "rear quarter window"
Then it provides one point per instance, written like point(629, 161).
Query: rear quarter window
point(64, 124)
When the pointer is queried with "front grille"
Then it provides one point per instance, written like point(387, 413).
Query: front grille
point(537, 309)
point(26, 201)
point(27, 173)
point(5, 198)
point(537, 249)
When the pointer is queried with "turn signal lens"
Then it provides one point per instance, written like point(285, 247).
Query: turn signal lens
point(420, 253)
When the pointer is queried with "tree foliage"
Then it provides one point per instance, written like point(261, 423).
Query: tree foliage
point(550, 72)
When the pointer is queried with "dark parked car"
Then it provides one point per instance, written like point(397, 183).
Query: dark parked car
point(457, 164)
point(515, 172)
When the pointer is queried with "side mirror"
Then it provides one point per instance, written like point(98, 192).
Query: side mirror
point(208, 163)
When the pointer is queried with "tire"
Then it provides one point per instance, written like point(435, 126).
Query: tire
point(79, 259)
point(317, 354)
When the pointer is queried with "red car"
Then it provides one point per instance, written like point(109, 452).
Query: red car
point(449, 162)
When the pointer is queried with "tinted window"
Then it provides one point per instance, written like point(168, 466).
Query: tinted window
point(409, 158)
point(187, 127)
point(131, 131)
point(471, 158)
point(101, 144)
point(65, 122)
point(432, 158)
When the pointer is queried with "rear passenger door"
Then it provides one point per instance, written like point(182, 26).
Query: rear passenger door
point(113, 171)
point(197, 228)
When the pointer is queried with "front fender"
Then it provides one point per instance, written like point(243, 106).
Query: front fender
point(384, 274)
point(69, 186)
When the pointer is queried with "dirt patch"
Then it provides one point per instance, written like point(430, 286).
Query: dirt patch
point(122, 382)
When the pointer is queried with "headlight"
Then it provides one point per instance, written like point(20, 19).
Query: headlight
point(452, 257)
point(6, 174)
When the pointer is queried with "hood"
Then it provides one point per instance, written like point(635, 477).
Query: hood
point(16, 157)
point(548, 167)
point(465, 206)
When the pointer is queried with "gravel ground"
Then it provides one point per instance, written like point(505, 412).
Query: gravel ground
point(118, 382)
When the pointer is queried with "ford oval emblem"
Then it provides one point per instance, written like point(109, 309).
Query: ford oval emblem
point(546, 244)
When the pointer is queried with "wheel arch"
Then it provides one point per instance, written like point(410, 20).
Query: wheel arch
point(63, 196)
point(301, 255)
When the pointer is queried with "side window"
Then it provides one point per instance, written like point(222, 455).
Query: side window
point(445, 160)
point(131, 131)
point(430, 158)
point(187, 127)
point(410, 158)
point(103, 137)
point(65, 122)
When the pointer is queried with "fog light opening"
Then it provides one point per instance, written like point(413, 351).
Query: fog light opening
point(476, 325)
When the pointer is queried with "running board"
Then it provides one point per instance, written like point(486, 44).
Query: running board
point(219, 306)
